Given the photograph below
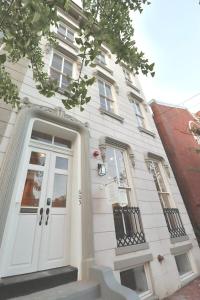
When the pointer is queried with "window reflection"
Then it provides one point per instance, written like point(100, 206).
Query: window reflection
point(37, 158)
point(59, 191)
point(32, 189)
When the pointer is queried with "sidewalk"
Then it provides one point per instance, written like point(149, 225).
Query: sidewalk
point(189, 292)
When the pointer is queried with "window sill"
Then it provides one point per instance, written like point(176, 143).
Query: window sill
point(188, 278)
point(104, 67)
point(67, 42)
point(133, 248)
point(112, 115)
point(142, 129)
point(132, 86)
point(179, 239)
point(131, 262)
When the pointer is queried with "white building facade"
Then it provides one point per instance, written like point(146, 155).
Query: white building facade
point(57, 205)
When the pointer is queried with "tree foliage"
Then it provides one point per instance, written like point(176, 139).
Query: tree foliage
point(25, 23)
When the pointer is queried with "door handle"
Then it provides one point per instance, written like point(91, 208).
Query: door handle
point(47, 214)
point(48, 201)
point(41, 215)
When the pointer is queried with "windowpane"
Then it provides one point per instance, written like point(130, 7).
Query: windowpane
point(67, 69)
point(103, 102)
point(135, 279)
point(64, 82)
point(101, 58)
point(59, 191)
point(32, 189)
point(61, 163)
point(101, 88)
point(42, 137)
point(140, 121)
point(110, 106)
point(62, 30)
point(62, 142)
point(57, 62)
point(116, 166)
point(127, 75)
point(183, 264)
point(55, 76)
point(70, 35)
point(108, 91)
point(37, 158)
point(121, 167)
point(110, 159)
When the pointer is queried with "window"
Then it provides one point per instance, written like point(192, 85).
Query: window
point(65, 32)
point(47, 138)
point(101, 58)
point(155, 168)
point(105, 93)
point(138, 113)
point(136, 280)
point(183, 264)
point(61, 71)
point(127, 75)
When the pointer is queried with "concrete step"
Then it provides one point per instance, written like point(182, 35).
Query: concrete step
point(26, 284)
point(80, 290)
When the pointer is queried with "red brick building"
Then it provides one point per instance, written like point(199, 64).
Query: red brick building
point(180, 133)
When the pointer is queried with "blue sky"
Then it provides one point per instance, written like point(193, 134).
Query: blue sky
point(169, 34)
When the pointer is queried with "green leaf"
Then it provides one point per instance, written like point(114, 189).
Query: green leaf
point(2, 58)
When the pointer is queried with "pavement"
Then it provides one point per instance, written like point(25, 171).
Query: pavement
point(189, 292)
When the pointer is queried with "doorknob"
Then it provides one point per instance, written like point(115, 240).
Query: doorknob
point(41, 215)
point(47, 213)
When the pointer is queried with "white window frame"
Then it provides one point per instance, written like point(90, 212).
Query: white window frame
point(187, 274)
point(60, 72)
point(129, 187)
point(139, 114)
point(67, 28)
point(105, 96)
point(127, 75)
point(146, 266)
point(165, 181)
point(99, 60)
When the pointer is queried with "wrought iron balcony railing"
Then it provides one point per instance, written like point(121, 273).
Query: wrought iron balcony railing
point(128, 226)
point(174, 222)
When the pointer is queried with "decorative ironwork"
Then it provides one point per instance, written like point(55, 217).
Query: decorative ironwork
point(174, 222)
point(128, 226)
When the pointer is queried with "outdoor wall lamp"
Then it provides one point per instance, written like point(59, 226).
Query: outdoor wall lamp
point(101, 169)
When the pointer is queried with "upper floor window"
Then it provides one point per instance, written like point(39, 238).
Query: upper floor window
point(61, 70)
point(101, 58)
point(105, 93)
point(127, 75)
point(155, 168)
point(65, 32)
point(138, 112)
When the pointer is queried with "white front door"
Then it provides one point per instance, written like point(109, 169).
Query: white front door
point(40, 235)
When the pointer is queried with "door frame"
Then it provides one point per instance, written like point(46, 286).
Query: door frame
point(15, 206)
point(84, 257)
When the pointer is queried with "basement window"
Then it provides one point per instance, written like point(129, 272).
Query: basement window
point(137, 279)
point(183, 265)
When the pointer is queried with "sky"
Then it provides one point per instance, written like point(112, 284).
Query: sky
point(168, 32)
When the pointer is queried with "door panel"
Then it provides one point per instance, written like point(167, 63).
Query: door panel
point(23, 253)
point(55, 240)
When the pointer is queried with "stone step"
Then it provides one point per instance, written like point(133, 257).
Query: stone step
point(26, 284)
point(80, 290)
